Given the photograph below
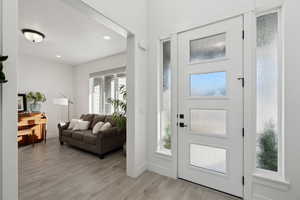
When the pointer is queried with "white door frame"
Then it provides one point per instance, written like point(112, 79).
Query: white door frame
point(249, 96)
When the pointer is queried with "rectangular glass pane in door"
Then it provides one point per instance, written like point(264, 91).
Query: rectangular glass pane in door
point(208, 48)
point(209, 84)
point(206, 157)
point(211, 122)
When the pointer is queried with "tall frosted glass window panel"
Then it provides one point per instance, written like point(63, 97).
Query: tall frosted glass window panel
point(267, 91)
point(208, 48)
point(164, 138)
point(210, 158)
point(211, 122)
point(210, 84)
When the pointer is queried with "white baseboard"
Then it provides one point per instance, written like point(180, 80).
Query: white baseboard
point(160, 170)
point(260, 197)
point(139, 170)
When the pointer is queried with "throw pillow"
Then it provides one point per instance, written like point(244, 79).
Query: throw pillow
point(105, 126)
point(109, 118)
point(73, 123)
point(97, 119)
point(97, 127)
point(88, 117)
point(81, 125)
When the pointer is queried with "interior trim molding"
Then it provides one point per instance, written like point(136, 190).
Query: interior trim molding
point(272, 183)
point(260, 197)
point(160, 170)
point(108, 72)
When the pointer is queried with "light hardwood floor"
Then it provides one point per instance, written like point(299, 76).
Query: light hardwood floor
point(53, 172)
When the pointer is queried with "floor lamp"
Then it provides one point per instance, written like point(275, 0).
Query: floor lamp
point(64, 102)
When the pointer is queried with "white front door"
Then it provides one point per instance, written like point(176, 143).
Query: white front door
point(210, 120)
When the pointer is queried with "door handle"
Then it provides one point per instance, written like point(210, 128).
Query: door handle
point(181, 124)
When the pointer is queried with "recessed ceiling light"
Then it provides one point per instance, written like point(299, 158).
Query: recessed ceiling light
point(33, 35)
point(58, 56)
point(107, 37)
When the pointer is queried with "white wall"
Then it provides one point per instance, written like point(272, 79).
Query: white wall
point(52, 79)
point(168, 17)
point(81, 79)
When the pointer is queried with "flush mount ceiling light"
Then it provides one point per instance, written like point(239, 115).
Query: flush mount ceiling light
point(107, 37)
point(58, 56)
point(33, 36)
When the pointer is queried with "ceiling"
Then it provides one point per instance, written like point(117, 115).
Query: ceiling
point(71, 34)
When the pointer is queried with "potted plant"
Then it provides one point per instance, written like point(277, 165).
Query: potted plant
point(120, 110)
point(2, 75)
point(35, 99)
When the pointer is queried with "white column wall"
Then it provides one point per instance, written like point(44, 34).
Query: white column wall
point(132, 15)
point(9, 126)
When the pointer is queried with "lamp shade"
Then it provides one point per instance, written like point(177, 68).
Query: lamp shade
point(61, 101)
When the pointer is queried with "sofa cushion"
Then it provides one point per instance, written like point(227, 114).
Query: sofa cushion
point(78, 135)
point(67, 133)
point(110, 119)
point(90, 138)
point(88, 117)
point(97, 118)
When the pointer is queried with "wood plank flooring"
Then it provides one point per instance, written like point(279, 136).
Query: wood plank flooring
point(53, 172)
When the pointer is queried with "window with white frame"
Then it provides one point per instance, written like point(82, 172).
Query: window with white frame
point(164, 99)
point(269, 94)
point(103, 88)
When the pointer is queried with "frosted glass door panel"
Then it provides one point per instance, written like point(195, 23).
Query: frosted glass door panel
point(208, 48)
point(210, 84)
point(208, 121)
point(210, 158)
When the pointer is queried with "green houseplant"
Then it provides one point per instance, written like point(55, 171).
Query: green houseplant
point(120, 108)
point(268, 154)
point(2, 75)
point(35, 99)
point(167, 137)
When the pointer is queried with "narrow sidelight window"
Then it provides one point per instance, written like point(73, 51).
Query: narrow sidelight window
point(269, 94)
point(164, 130)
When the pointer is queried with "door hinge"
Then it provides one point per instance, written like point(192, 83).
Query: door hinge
point(243, 180)
point(243, 132)
point(243, 34)
point(243, 81)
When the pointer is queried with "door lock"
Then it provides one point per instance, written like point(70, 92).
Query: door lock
point(181, 124)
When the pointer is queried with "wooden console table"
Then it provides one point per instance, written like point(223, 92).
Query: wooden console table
point(32, 127)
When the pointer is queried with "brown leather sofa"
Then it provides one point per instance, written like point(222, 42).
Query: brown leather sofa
point(100, 143)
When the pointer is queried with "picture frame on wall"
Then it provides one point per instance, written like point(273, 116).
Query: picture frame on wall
point(22, 103)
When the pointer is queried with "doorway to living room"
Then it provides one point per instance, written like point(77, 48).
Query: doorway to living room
point(73, 93)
